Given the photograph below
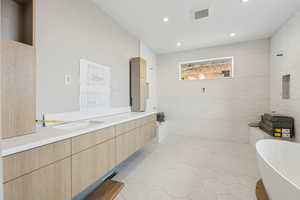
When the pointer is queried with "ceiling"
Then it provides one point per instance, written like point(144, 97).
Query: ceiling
point(144, 18)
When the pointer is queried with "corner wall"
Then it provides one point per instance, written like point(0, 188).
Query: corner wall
point(286, 41)
point(68, 30)
point(1, 162)
point(228, 105)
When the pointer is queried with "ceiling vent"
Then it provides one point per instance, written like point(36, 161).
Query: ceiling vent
point(200, 14)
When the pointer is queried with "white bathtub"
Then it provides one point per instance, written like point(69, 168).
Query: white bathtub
point(279, 164)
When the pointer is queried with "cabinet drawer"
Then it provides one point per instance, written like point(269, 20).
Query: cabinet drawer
point(147, 119)
point(128, 143)
point(149, 132)
point(83, 142)
point(47, 183)
point(24, 162)
point(152, 118)
point(126, 127)
point(91, 164)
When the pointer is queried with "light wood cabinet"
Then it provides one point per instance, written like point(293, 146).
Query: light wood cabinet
point(18, 67)
point(47, 183)
point(138, 77)
point(63, 169)
point(149, 131)
point(91, 164)
point(25, 162)
point(17, 20)
point(85, 141)
point(128, 143)
point(18, 88)
point(122, 147)
point(127, 126)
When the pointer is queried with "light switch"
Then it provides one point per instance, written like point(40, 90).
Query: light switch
point(68, 79)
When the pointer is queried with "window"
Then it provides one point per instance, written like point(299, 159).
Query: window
point(207, 69)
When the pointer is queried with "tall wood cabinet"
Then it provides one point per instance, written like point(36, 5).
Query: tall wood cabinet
point(18, 67)
point(138, 76)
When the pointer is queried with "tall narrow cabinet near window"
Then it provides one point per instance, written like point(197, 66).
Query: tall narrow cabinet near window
point(138, 72)
point(18, 67)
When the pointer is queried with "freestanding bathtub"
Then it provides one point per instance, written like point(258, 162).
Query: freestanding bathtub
point(279, 165)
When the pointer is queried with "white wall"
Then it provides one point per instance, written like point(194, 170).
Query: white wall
point(68, 30)
point(287, 41)
point(1, 163)
point(228, 104)
point(150, 56)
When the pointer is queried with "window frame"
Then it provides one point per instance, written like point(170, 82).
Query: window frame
point(209, 59)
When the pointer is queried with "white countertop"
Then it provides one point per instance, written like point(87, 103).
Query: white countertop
point(48, 135)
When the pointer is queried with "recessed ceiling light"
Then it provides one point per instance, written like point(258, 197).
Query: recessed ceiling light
point(178, 44)
point(244, 1)
point(232, 34)
point(165, 19)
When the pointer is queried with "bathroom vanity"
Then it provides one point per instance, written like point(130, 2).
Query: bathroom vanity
point(58, 163)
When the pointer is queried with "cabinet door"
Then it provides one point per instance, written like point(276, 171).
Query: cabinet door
point(138, 70)
point(138, 139)
point(88, 140)
point(48, 183)
point(126, 127)
point(149, 131)
point(91, 164)
point(122, 147)
point(129, 143)
point(22, 163)
point(18, 88)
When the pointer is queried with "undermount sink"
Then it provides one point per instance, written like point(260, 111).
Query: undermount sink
point(78, 124)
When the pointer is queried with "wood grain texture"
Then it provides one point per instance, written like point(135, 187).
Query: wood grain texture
point(138, 71)
point(151, 118)
point(83, 142)
point(25, 162)
point(91, 164)
point(18, 87)
point(126, 127)
point(261, 193)
point(109, 190)
point(149, 132)
point(94, 154)
point(128, 143)
point(122, 147)
point(48, 183)
point(17, 20)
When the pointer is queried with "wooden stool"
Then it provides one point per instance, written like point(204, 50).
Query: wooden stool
point(261, 193)
point(108, 190)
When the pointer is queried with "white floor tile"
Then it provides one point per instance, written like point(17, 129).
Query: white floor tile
point(190, 168)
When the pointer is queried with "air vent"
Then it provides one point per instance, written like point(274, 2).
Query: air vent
point(200, 14)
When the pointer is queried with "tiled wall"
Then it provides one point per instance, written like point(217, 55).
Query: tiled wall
point(225, 109)
point(286, 41)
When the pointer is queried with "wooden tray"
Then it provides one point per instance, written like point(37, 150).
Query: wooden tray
point(109, 190)
point(261, 193)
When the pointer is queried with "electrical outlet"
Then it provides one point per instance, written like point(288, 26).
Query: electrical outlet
point(67, 79)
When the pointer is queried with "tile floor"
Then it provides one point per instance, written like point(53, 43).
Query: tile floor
point(186, 168)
